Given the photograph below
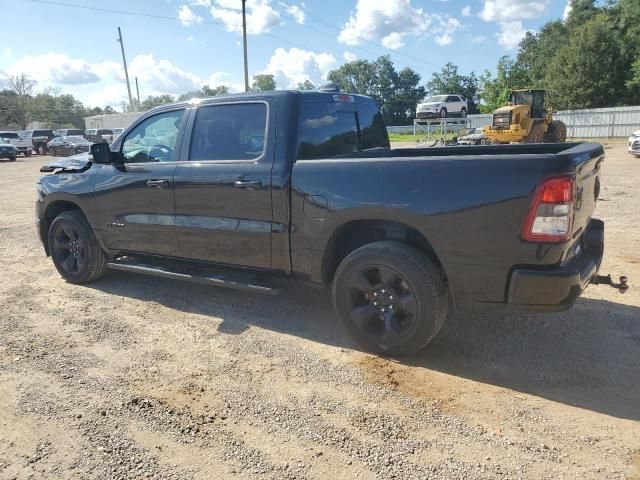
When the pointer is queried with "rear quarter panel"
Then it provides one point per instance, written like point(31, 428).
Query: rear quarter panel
point(470, 209)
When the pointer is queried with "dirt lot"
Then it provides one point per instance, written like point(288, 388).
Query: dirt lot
point(136, 377)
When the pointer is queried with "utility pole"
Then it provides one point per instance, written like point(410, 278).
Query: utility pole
point(126, 73)
point(137, 94)
point(244, 41)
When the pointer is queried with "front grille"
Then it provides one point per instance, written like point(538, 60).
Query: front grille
point(502, 121)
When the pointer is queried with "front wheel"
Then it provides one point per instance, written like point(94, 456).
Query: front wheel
point(74, 249)
point(443, 113)
point(42, 149)
point(390, 297)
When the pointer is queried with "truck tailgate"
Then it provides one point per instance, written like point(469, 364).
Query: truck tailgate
point(585, 162)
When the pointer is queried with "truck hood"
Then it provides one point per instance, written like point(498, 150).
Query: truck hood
point(75, 163)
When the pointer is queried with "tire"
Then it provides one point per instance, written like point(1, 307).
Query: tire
point(12, 159)
point(41, 149)
point(443, 113)
point(463, 113)
point(557, 132)
point(390, 271)
point(28, 154)
point(74, 249)
point(535, 135)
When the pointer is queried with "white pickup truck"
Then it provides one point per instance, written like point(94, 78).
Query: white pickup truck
point(25, 147)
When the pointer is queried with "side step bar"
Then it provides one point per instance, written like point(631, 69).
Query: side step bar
point(237, 281)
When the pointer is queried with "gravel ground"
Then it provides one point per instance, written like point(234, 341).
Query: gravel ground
point(136, 377)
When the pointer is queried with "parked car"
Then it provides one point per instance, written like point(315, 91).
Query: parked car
point(634, 143)
point(475, 136)
point(25, 147)
point(117, 132)
point(70, 145)
point(442, 106)
point(99, 135)
point(65, 132)
point(38, 138)
point(304, 185)
point(7, 150)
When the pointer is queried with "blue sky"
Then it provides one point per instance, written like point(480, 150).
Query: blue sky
point(74, 50)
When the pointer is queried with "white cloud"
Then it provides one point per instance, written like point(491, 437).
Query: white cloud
point(201, 3)
point(386, 21)
point(60, 69)
point(478, 39)
point(391, 21)
point(261, 16)
point(567, 10)
point(293, 66)
point(349, 56)
point(444, 39)
point(188, 17)
point(295, 11)
point(510, 34)
point(102, 83)
point(512, 10)
point(466, 11)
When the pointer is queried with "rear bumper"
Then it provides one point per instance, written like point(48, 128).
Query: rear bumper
point(556, 289)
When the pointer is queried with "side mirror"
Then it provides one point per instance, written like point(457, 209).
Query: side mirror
point(103, 154)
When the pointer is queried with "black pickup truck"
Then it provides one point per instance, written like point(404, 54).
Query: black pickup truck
point(236, 190)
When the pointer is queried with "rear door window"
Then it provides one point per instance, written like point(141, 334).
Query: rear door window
point(328, 130)
point(229, 132)
point(325, 131)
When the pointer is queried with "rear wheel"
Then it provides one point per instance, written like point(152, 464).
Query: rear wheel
point(41, 149)
point(74, 249)
point(535, 135)
point(390, 297)
point(557, 132)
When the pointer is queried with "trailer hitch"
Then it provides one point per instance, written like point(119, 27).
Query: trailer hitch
point(602, 280)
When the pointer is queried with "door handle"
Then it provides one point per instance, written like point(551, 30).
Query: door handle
point(248, 184)
point(157, 183)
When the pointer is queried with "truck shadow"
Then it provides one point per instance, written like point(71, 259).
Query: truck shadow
point(588, 357)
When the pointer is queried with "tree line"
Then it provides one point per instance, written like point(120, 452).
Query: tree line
point(590, 59)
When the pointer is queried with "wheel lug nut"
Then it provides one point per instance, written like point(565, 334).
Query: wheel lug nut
point(375, 303)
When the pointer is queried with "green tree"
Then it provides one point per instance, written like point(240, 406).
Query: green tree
point(449, 80)
point(205, 91)
point(19, 104)
point(397, 93)
point(306, 85)
point(494, 91)
point(588, 71)
point(154, 101)
point(263, 82)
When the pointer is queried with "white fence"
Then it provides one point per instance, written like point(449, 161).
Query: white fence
point(593, 123)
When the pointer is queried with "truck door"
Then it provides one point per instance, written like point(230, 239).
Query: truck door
point(135, 201)
point(223, 191)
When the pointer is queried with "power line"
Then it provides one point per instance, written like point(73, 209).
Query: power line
point(214, 22)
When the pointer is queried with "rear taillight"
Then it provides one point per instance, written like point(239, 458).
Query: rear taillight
point(550, 214)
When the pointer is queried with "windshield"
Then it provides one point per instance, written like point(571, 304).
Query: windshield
point(436, 98)
point(76, 139)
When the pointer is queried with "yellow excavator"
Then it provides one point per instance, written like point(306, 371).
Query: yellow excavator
point(525, 119)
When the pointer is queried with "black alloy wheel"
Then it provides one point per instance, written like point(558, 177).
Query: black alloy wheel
point(390, 297)
point(75, 252)
point(381, 302)
point(69, 249)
